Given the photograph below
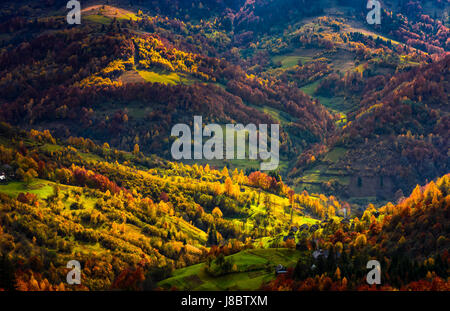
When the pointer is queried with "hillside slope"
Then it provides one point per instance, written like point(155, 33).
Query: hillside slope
point(117, 211)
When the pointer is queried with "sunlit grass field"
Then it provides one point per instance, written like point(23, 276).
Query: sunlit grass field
point(254, 268)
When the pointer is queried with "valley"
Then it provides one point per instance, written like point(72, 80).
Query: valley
point(87, 172)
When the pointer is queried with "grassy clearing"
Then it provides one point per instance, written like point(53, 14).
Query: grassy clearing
point(313, 177)
point(311, 88)
point(88, 248)
point(172, 78)
point(276, 114)
point(335, 154)
point(90, 157)
point(41, 188)
point(100, 19)
point(355, 26)
point(291, 59)
point(51, 148)
point(288, 61)
point(335, 104)
point(255, 267)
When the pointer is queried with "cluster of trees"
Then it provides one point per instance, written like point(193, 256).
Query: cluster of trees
point(271, 183)
point(152, 53)
point(322, 207)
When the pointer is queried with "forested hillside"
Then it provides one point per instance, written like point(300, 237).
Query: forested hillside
point(124, 211)
point(410, 236)
point(87, 173)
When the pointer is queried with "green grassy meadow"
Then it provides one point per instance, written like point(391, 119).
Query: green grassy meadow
point(41, 188)
point(171, 78)
point(254, 268)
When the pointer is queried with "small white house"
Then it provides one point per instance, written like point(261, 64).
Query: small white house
point(2, 177)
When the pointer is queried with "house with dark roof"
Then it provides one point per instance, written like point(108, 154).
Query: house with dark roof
point(3, 178)
point(6, 172)
point(320, 253)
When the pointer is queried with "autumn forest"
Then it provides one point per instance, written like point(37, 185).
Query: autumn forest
point(87, 173)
